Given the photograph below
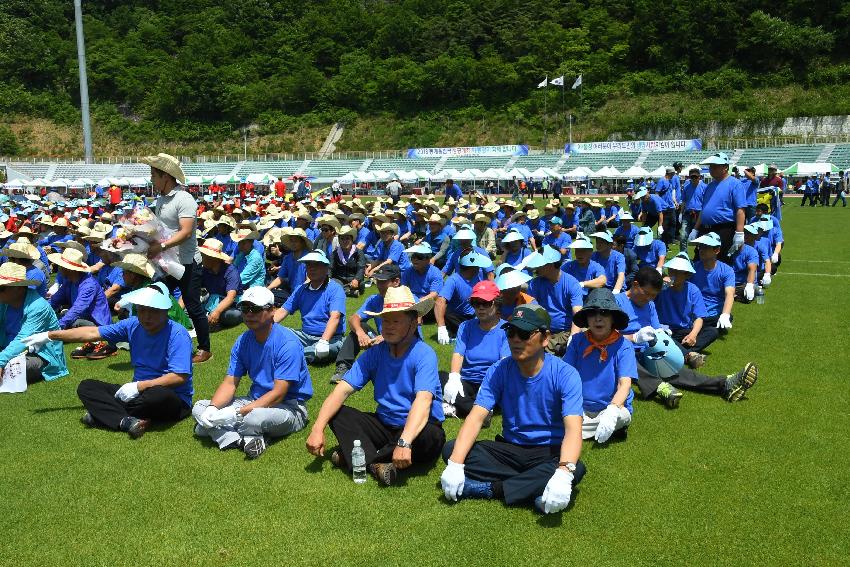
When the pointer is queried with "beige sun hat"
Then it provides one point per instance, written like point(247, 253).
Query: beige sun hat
point(245, 234)
point(436, 218)
point(213, 248)
point(73, 244)
point(388, 227)
point(265, 223)
point(328, 220)
point(299, 233)
point(21, 249)
point(70, 258)
point(347, 231)
point(400, 299)
point(27, 230)
point(481, 218)
point(166, 163)
point(272, 236)
point(136, 263)
point(15, 275)
point(95, 236)
point(61, 222)
point(533, 214)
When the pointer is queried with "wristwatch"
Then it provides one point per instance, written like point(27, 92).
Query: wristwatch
point(402, 443)
point(571, 467)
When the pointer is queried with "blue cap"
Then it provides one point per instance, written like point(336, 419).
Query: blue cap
point(539, 259)
point(556, 220)
point(474, 259)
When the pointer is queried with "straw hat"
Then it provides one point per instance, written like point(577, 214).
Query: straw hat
point(481, 218)
point(388, 227)
point(136, 263)
point(212, 247)
point(166, 163)
point(328, 220)
point(27, 230)
point(15, 275)
point(273, 235)
point(299, 233)
point(62, 222)
point(399, 300)
point(245, 234)
point(70, 244)
point(436, 218)
point(70, 258)
point(347, 231)
point(533, 214)
point(21, 249)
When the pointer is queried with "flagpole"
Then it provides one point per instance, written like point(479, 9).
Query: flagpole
point(563, 106)
point(545, 96)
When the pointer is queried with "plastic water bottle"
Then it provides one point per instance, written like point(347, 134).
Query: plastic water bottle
point(358, 462)
point(759, 295)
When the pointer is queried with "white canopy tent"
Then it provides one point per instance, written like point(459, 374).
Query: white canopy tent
point(662, 170)
point(634, 171)
point(580, 172)
point(607, 172)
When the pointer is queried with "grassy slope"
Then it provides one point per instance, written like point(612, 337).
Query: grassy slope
point(761, 481)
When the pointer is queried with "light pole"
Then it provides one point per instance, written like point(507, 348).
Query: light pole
point(84, 83)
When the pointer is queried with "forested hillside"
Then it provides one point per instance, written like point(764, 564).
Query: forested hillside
point(201, 70)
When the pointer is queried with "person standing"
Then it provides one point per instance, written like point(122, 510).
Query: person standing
point(178, 212)
point(720, 206)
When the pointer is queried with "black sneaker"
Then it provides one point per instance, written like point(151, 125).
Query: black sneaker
point(341, 369)
point(83, 351)
point(669, 394)
point(87, 420)
point(385, 473)
point(102, 350)
point(737, 384)
point(254, 448)
point(134, 426)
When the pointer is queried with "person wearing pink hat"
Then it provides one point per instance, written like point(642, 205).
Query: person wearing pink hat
point(481, 342)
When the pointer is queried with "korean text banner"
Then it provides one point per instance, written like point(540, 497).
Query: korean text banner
point(507, 150)
point(634, 146)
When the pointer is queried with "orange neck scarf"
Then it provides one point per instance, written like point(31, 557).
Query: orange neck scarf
point(600, 345)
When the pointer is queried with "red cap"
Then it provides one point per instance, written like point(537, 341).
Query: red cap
point(486, 290)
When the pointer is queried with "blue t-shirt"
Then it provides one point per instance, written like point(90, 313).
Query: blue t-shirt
point(375, 304)
point(713, 285)
point(653, 205)
point(34, 273)
point(630, 234)
point(582, 273)
point(719, 201)
point(153, 356)
point(280, 357)
point(745, 256)
point(650, 254)
point(455, 254)
point(456, 292)
point(558, 299)
point(750, 189)
point(292, 270)
point(533, 409)
point(664, 189)
point(514, 258)
point(316, 306)
point(679, 309)
point(480, 349)
point(422, 284)
point(227, 279)
point(645, 316)
point(614, 265)
point(689, 190)
point(521, 228)
point(599, 378)
point(397, 380)
point(563, 240)
point(394, 252)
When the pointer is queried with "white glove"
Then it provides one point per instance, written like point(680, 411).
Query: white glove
point(556, 496)
point(660, 270)
point(774, 258)
point(616, 292)
point(443, 336)
point(749, 291)
point(206, 415)
point(452, 480)
point(323, 348)
point(737, 242)
point(724, 322)
point(453, 387)
point(224, 417)
point(694, 234)
point(765, 280)
point(127, 392)
point(35, 342)
point(660, 230)
point(607, 423)
point(645, 334)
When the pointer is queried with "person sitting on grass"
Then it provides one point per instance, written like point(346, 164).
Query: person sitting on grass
point(248, 260)
point(407, 427)
point(388, 250)
point(627, 230)
point(515, 251)
point(649, 251)
point(348, 263)
point(611, 260)
point(481, 342)
point(23, 313)
point(362, 335)
point(161, 354)
point(423, 278)
point(321, 302)
point(536, 458)
point(292, 272)
point(606, 362)
point(680, 306)
point(23, 253)
point(83, 300)
point(221, 280)
point(589, 274)
point(275, 406)
point(557, 238)
point(452, 307)
point(745, 263)
point(510, 282)
point(463, 243)
point(559, 294)
point(715, 280)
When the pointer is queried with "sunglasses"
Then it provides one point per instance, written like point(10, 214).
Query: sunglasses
point(524, 335)
point(251, 308)
point(480, 303)
point(418, 257)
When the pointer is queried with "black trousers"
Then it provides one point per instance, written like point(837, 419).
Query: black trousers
point(523, 471)
point(190, 289)
point(351, 346)
point(705, 337)
point(669, 226)
point(726, 232)
point(379, 440)
point(453, 321)
point(33, 369)
point(157, 404)
point(651, 219)
point(686, 379)
point(463, 404)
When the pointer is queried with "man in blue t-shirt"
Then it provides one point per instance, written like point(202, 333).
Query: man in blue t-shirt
point(321, 302)
point(452, 307)
point(161, 355)
point(276, 404)
point(423, 278)
point(716, 281)
point(720, 206)
point(407, 426)
point(558, 293)
point(537, 456)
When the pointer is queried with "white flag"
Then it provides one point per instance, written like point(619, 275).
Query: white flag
point(544, 83)
point(557, 81)
point(577, 84)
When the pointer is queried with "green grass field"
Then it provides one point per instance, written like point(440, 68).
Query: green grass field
point(760, 481)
